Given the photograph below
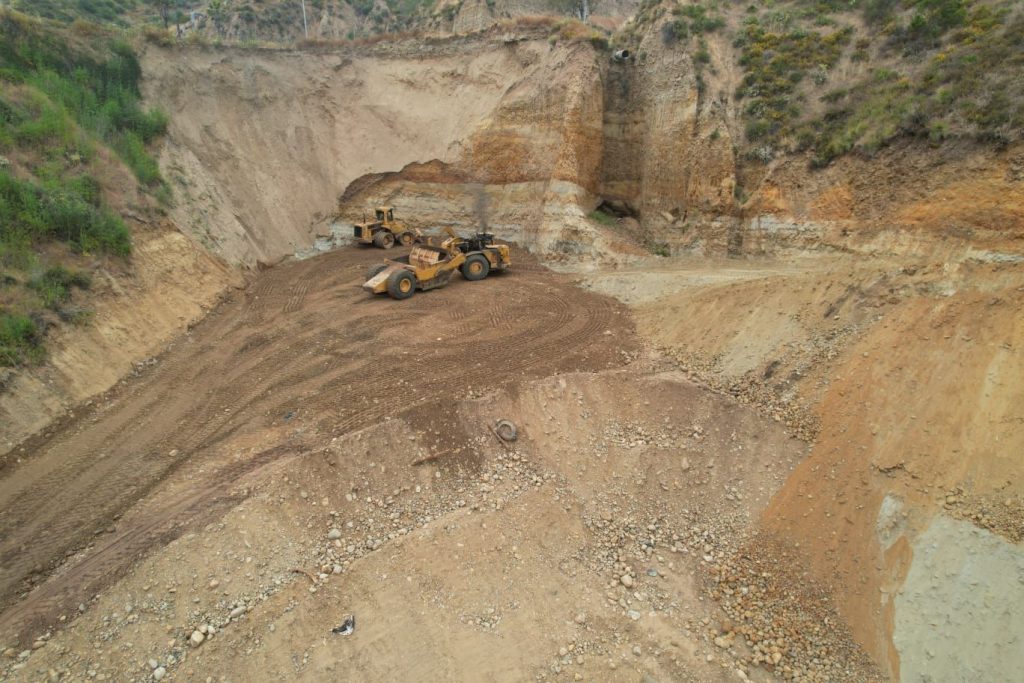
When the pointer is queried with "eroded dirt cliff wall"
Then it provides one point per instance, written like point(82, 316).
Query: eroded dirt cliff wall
point(961, 201)
point(170, 283)
point(668, 153)
point(262, 142)
point(529, 172)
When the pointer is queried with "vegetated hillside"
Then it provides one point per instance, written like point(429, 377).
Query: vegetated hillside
point(104, 11)
point(289, 20)
point(829, 77)
point(90, 277)
point(66, 98)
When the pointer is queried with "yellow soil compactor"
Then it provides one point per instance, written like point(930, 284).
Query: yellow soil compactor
point(385, 230)
point(429, 266)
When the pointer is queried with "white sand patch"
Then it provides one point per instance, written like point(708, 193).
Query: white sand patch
point(960, 613)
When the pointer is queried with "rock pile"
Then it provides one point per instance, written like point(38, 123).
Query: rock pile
point(779, 621)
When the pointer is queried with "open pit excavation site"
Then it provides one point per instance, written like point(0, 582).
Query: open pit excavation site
point(501, 341)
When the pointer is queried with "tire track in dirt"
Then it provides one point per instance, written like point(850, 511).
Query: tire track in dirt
point(114, 556)
point(24, 508)
point(23, 523)
point(298, 293)
point(324, 352)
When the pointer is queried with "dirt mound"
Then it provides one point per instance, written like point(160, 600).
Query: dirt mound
point(579, 553)
point(646, 522)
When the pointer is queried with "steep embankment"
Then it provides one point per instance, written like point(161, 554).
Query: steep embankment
point(93, 277)
point(170, 284)
point(261, 143)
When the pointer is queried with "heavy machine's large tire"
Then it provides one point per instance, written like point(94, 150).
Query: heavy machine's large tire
point(374, 270)
point(407, 238)
point(401, 284)
point(475, 267)
point(384, 239)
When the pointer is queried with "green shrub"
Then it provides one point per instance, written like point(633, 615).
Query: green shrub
point(930, 20)
point(603, 218)
point(54, 285)
point(879, 12)
point(67, 210)
point(157, 36)
point(362, 7)
point(659, 249)
point(674, 31)
point(132, 150)
point(689, 20)
point(20, 340)
point(700, 20)
point(774, 64)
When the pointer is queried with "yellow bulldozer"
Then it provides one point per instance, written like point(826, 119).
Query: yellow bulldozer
point(385, 231)
point(429, 266)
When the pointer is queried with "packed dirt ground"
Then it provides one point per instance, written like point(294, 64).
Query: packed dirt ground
point(682, 502)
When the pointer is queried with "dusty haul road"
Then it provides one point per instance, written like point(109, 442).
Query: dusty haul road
point(302, 347)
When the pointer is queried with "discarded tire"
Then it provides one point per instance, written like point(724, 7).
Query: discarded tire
point(506, 430)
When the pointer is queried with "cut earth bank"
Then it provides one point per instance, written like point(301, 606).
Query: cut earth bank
point(769, 464)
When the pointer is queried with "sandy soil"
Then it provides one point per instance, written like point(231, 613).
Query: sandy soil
point(899, 371)
point(303, 344)
point(718, 495)
point(281, 434)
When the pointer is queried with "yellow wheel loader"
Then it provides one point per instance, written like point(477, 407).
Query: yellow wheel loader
point(430, 266)
point(385, 231)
